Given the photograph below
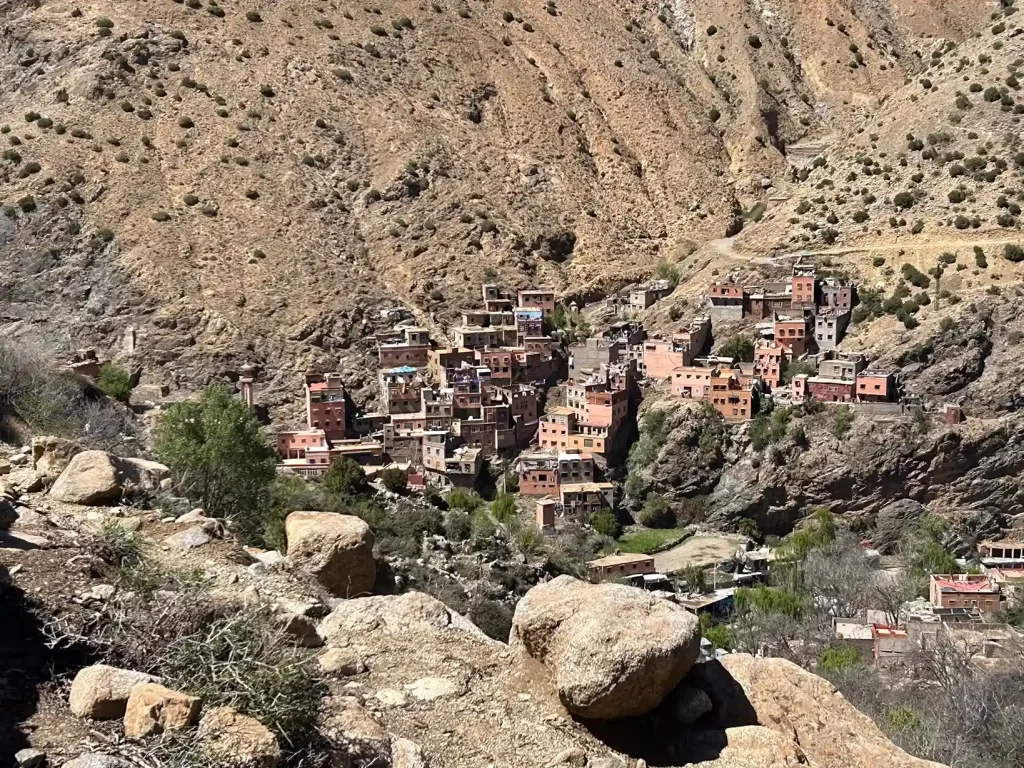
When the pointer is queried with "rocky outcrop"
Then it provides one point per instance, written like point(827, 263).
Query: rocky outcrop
point(153, 709)
point(972, 468)
point(101, 692)
point(238, 740)
point(614, 651)
point(893, 521)
point(97, 478)
point(802, 708)
point(51, 456)
point(336, 550)
point(412, 613)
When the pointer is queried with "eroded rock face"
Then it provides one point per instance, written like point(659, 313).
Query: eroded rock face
point(101, 692)
point(237, 739)
point(615, 651)
point(97, 478)
point(51, 455)
point(337, 550)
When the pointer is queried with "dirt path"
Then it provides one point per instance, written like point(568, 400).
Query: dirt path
point(726, 247)
point(698, 550)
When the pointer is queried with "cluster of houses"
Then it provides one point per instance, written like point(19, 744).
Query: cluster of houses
point(962, 607)
point(445, 409)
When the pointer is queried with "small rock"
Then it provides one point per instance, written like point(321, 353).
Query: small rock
point(8, 514)
point(339, 661)
point(430, 688)
point(688, 705)
point(354, 733)
point(391, 697)
point(197, 515)
point(242, 741)
point(18, 460)
point(406, 754)
point(5, 467)
point(572, 756)
point(303, 629)
point(190, 538)
point(30, 758)
point(153, 709)
point(608, 761)
point(101, 692)
point(269, 558)
point(95, 760)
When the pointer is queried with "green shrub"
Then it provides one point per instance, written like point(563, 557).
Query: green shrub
point(115, 381)
point(838, 659)
point(1013, 253)
point(656, 513)
point(395, 480)
point(606, 523)
point(738, 347)
point(345, 477)
point(219, 456)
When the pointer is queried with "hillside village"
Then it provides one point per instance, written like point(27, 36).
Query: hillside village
point(459, 384)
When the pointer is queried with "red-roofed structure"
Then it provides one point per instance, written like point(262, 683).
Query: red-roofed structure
point(964, 590)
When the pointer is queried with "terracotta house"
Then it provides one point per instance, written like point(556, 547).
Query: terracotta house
point(692, 382)
point(325, 404)
point(792, 332)
point(831, 390)
point(876, 386)
point(769, 358)
point(621, 566)
point(964, 590)
point(541, 298)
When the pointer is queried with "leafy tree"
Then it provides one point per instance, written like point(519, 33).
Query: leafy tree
point(818, 532)
point(795, 368)
point(668, 271)
point(345, 478)
point(695, 577)
point(738, 347)
point(748, 527)
point(466, 501)
point(115, 381)
point(606, 523)
point(843, 422)
point(395, 480)
point(770, 600)
point(838, 658)
point(504, 507)
point(219, 456)
point(656, 513)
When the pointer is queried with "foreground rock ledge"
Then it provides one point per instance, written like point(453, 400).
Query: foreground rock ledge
point(615, 651)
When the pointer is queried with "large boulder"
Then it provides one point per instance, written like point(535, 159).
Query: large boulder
point(615, 651)
point(337, 550)
point(97, 478)
point(101, 692)
point(236, 739)
point(801, 707)
point(153, 709)
point(411, 613)
point(51, 455)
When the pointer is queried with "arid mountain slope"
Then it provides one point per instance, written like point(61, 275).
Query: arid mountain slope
point(244, 180)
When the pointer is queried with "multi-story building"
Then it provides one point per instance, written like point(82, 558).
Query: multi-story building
point(843, 366)
point(765, 300)
point(496, 299)
point(770, 358)
point(804, 287)
point(830, 327)
point(325, 404)
point(441, 362)
point(400, 389)
point(474, 336)
point(831, 390)
point(499, 362)
point(792, 332)
point(542, 473)
point(731, 399)
point(693, 382)
point(642, 298)
point(836, 294)
point(411, 348)
point(583, 500)
point(726, 301)
point(529, 324)
point(540, 298)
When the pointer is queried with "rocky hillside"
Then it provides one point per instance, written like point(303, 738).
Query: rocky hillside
point(141, 640)
point(255, 181)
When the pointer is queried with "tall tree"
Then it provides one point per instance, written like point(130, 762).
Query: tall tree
point(220, 457)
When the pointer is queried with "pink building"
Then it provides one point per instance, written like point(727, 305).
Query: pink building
point(541, 298)
point(692, 382)
point(769, 358)
point(325, 404)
